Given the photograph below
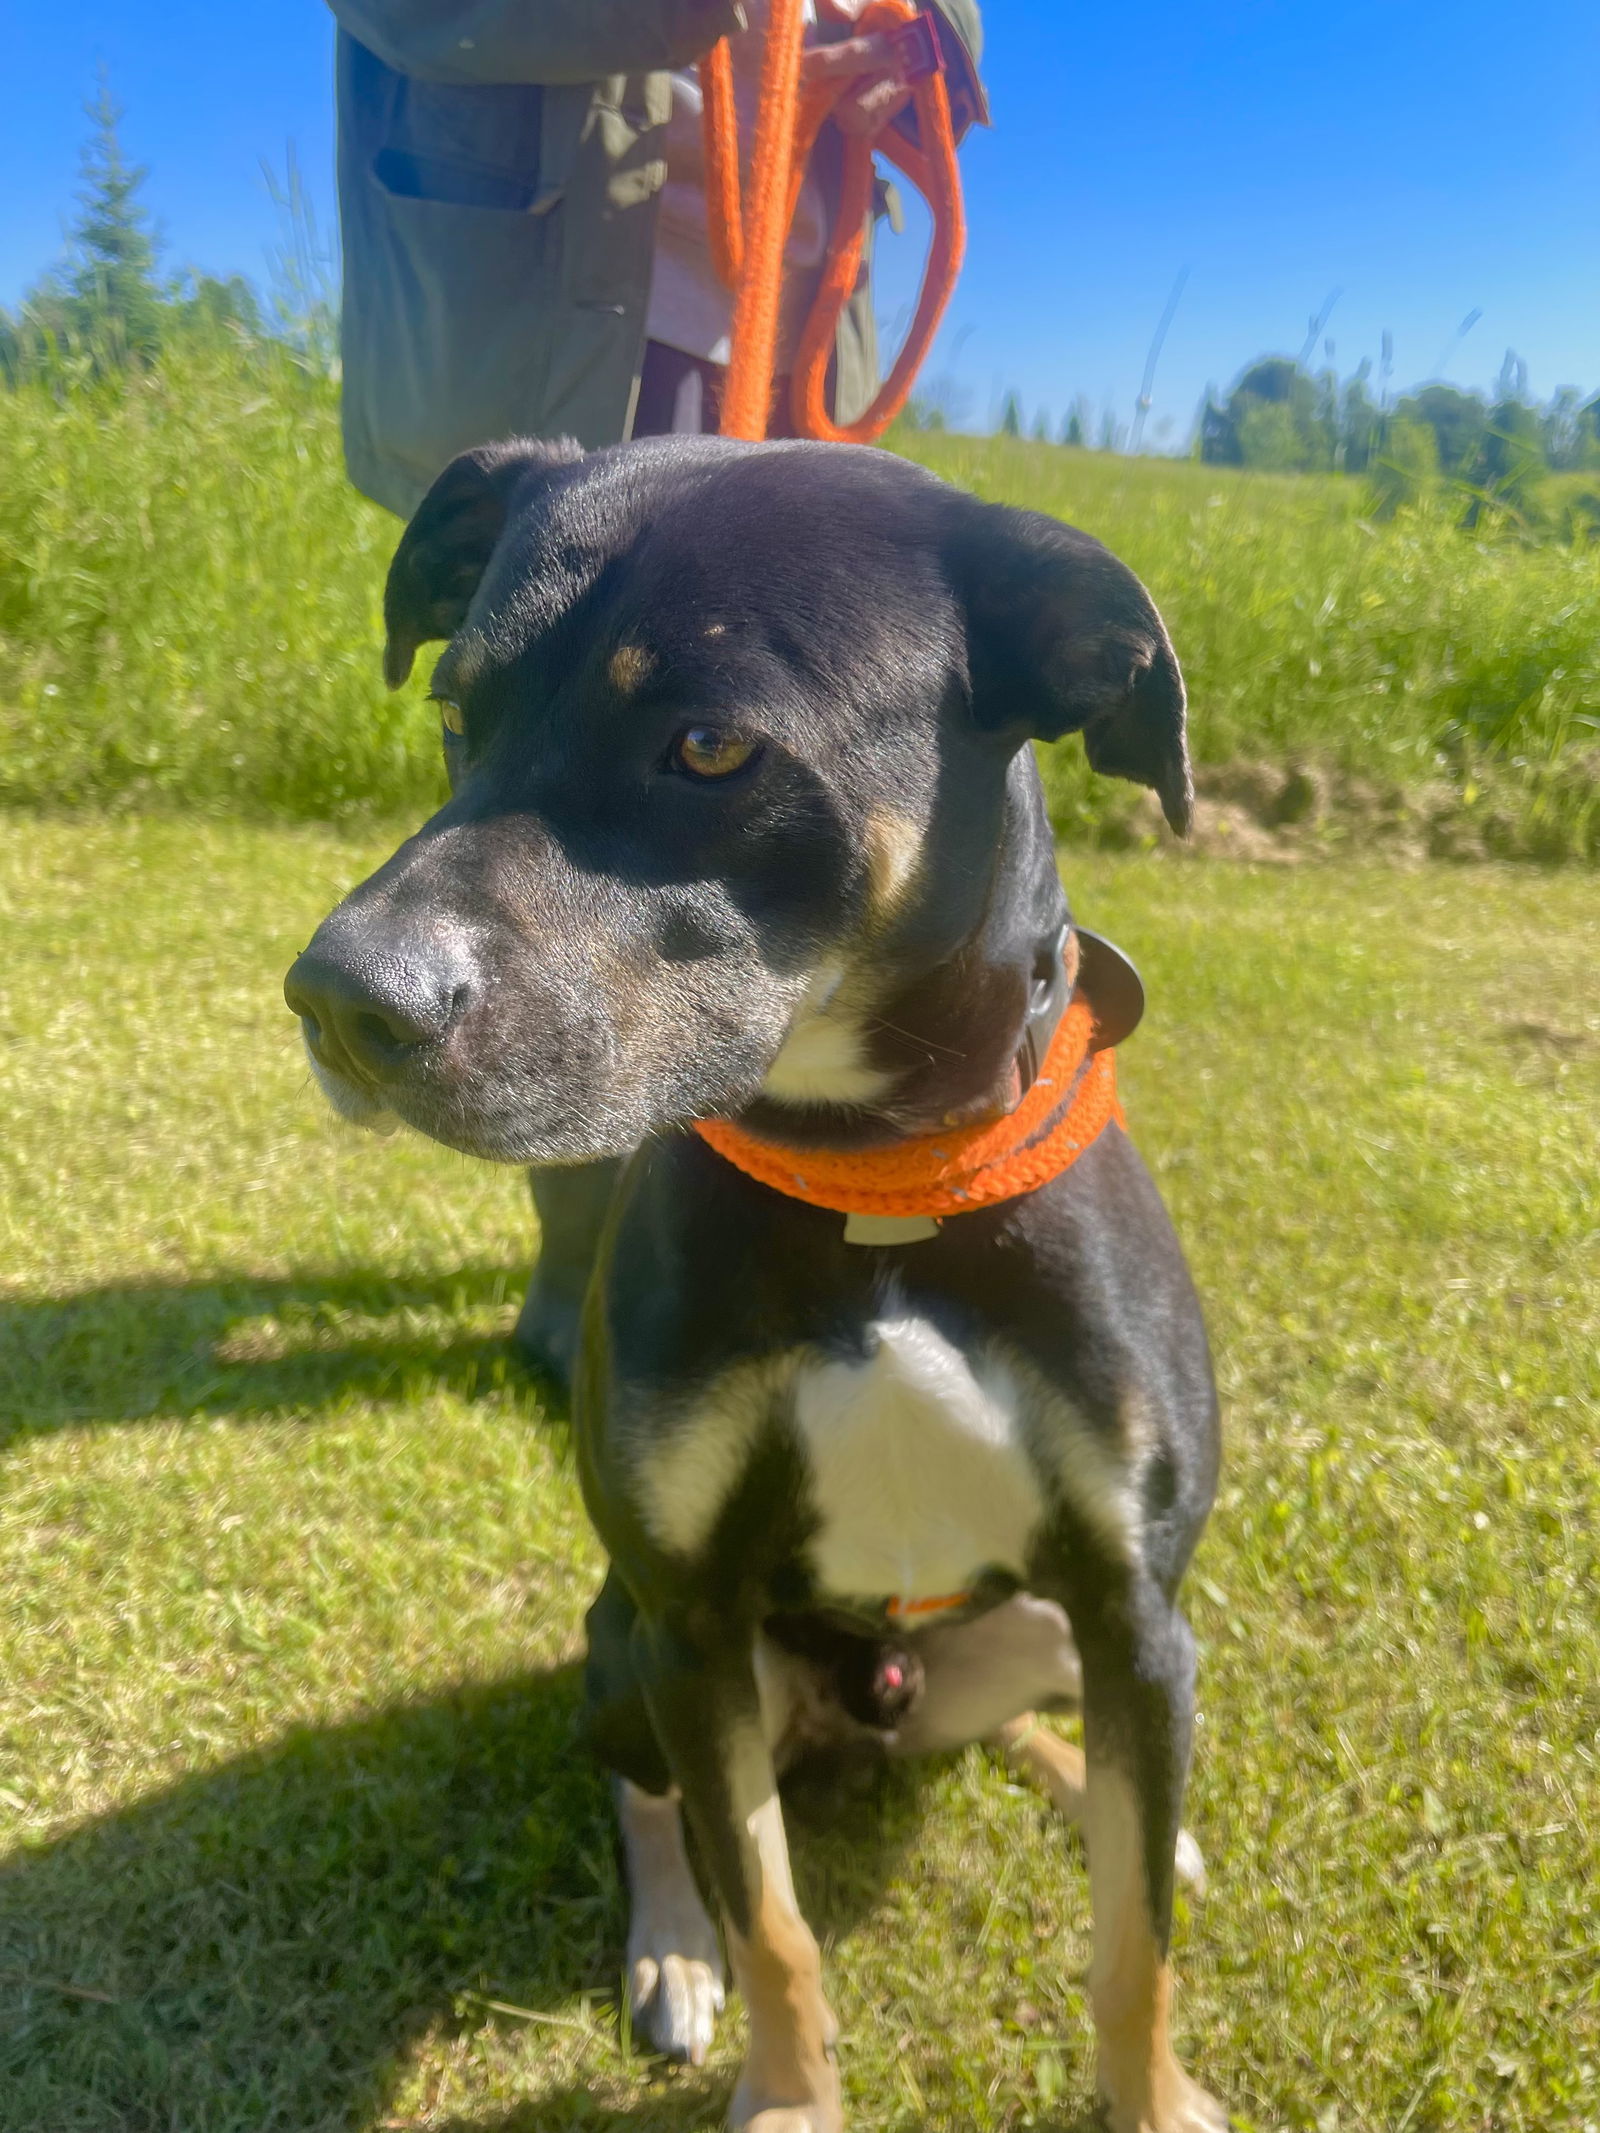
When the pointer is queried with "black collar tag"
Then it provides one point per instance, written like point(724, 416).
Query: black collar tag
point(1106, 979)
point(1047, 1003)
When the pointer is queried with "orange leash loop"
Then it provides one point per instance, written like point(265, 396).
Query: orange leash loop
point(954, 1173)
point(748, 243)
point(930, 165)
point(719, 131)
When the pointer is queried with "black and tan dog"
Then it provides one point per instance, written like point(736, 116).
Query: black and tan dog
point(744, 826)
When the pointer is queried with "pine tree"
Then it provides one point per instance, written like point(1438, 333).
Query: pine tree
point(1011, 416)
point(113, 299)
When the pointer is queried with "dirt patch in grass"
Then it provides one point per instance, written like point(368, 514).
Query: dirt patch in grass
point(1282, 814)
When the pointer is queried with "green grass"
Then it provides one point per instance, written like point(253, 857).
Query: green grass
point(189, 612)
point(191, 598)
point(298, 1837)
point(1463, 672)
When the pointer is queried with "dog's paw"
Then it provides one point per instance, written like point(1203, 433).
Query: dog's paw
point(787, 2121)
point(1189, 1864)
point(1175, 2104)
point(792, 2118)
point(753, 2111)
point(674, 2001)
point(674, 1957)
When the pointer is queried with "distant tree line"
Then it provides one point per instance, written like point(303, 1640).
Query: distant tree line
point(1498, 451)
point(1281, 417)
point(108, 307)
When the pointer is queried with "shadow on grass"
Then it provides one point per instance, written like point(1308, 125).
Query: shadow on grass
point(131, 1351)
point(259, 1948)
point(670, 2114)
point(256, 1949)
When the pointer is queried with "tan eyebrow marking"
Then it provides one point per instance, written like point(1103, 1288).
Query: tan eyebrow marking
point(630, 666)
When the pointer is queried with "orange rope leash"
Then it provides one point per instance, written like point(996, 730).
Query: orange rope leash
point(748, 239)
point(1070, 1104)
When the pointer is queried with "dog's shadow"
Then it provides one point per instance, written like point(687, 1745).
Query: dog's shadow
point(260, 1948)
point(263, 1945)
point(253, 1348)
point(675, 2114)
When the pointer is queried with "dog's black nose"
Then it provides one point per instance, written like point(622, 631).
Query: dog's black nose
point(372, 1010)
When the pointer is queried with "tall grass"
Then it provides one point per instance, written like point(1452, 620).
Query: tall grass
point(189, 597)
point(1409, 653)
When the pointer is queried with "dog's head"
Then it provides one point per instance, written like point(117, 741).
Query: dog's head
point(735, 746)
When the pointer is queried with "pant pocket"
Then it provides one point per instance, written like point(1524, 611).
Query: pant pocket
point(448, 314)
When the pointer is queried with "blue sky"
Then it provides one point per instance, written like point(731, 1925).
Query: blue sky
point(1426, 161)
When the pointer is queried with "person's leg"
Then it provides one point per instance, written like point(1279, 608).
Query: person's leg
point(681, 396)
point(675, 397)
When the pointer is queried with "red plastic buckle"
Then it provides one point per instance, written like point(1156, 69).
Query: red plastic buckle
point(916, 50)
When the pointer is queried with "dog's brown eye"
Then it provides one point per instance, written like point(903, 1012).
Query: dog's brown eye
point(452, 714)
point(709, 752)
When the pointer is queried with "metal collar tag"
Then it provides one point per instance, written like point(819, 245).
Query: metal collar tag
point(890, 1229)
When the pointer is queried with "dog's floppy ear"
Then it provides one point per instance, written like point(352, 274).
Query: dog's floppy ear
point(445, 550)
point(1062, 638)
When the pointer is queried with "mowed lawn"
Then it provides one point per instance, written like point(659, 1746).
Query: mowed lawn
point(294, 1567)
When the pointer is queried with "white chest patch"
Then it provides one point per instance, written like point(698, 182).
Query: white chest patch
point(918, 1468)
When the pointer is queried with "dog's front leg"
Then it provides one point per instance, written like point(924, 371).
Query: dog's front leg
point(704, 1705)
point(1138, 1711)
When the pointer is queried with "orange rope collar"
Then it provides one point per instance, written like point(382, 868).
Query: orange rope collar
point(748, 240)
point(1068, 1107)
